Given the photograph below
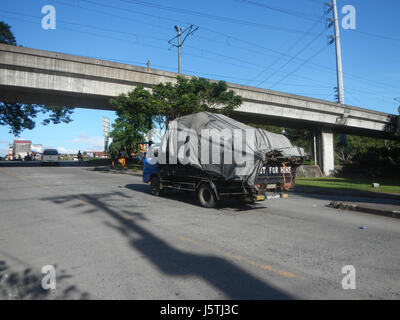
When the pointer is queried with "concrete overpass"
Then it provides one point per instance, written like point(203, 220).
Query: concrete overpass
point(43, 77)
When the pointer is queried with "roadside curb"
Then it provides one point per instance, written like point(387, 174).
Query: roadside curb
point(348, 193)
point(352, 207)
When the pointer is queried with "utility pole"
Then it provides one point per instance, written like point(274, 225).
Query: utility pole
point(179, 30)
point(325, 135)
point(338, 55)
point(339, 70)
point(188, 31)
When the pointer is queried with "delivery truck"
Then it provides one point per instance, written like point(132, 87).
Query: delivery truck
point(218, 158)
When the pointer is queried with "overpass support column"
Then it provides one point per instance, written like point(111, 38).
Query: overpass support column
point(323, 146)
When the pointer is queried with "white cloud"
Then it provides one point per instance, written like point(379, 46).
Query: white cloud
point(96, 142)
point(66, 151)
point(3, 152)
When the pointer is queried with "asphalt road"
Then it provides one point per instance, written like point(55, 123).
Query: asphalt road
point(109, 238)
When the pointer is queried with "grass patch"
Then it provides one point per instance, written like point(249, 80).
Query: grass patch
point(99, 162)
point(117, 165)
point(131, 166)
point(355, 184)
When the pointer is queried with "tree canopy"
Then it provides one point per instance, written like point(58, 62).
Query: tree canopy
point(18, 116)
point(193, 95)
point(170, 101)
point(139, 110)
point(133, 122)
point(6, 36)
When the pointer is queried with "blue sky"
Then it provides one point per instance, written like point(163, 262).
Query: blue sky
point(279, 45)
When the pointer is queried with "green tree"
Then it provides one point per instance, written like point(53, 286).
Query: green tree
point(6, 35)
point(299, 137)
point(134, 120)
point(115, 148)
point(139, 110)
point(188, 96)
point(125, 137)
point(20, 116)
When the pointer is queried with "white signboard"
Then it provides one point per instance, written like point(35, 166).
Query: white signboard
point(106, 127)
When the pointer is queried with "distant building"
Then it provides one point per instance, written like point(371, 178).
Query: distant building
point(96, 154)
point(37, 148)
point(21, 148)
point(10, 151)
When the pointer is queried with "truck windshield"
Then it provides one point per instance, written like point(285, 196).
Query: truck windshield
point(153, 151)
point(50, 152)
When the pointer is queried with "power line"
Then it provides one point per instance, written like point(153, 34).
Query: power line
point(299, 67)
point(226, 36)
point(156, 26)
point(375, 82)
point(318, 1)
point(144, 44)
point(137, 43)
point(89, 26)
point(295, 56)
point(134, 61)
point(162, 66)
point(293, 13)
point(240, 40)
point(169, 19)
point(140, 35)
point(355, 98)
point(146, 22)
point(376, 35)
point(281, 56)
point(211, 16)
point(368, 93)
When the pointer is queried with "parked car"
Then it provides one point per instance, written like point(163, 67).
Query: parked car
point(50, 156)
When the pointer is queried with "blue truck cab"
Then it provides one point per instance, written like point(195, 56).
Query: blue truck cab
point(150, 163)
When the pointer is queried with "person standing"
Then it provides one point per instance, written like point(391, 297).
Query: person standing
point(113, 159)
point(123, 158)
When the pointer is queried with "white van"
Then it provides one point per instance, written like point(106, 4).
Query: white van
point(50, 156)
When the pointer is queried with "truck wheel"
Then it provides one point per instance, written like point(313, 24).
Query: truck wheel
point(207, 196)
point(155, 186)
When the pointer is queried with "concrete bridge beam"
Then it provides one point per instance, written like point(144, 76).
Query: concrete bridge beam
point(37, 76)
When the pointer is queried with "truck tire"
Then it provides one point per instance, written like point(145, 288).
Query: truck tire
point(207, 196)
point(155, 186)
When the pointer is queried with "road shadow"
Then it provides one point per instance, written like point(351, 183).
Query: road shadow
point(186, 197)
point(27, 285)
point(340, 195)
point(228, 279)
point(191, 198)
point(109, 170)
point(39, 164)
